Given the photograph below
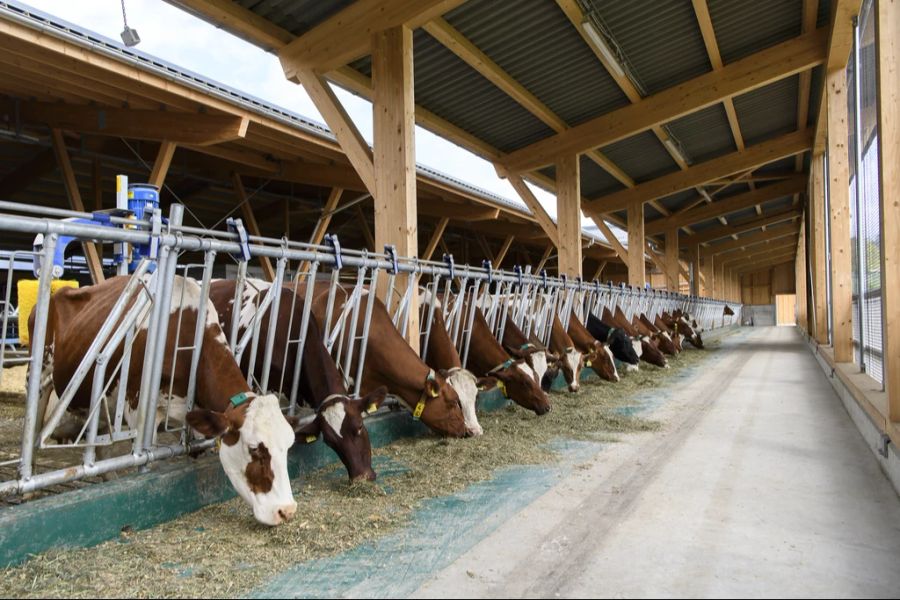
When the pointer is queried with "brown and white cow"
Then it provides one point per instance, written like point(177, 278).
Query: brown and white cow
point(571, 360)
point(255, 434)
point(649, 351)
point(338, 417)
point(673, 333)
point(442, 356)
point(544, 363)
point(679, 323)
point(660, 340)
point(516, 379)
point(598, 356)
point(392, 363)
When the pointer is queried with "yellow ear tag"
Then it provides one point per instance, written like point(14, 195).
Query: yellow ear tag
point(218, 443)
point(372, 408)
point(420, 407)
point(310, 439)
point(502, 387)
point(587, 363)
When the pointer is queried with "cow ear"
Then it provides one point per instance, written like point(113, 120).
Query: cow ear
point(515, 352)
point(208, 423)
point(306, 431)
point(432, 387)
point(486, 383)
point(550, 356)
point(373, 400)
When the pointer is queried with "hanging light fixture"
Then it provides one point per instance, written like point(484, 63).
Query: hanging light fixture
point(600, 43)
point(130, 36)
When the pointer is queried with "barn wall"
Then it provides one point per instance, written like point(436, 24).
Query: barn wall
point(761, 287)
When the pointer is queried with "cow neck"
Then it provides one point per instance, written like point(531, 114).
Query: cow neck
point(319, 378)
point(218, 377)
point(560, 340)
point(442, 354)
point(580, 336)
point(484, 349)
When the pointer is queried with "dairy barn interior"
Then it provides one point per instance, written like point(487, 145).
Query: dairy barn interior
point(252, 352)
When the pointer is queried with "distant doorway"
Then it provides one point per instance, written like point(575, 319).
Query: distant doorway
point(785, 310)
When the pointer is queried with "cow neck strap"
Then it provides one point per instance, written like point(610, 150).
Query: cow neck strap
point(504, 365)
point(241, 398)
point(527, 346)
point(420, 405)
point(328, 400)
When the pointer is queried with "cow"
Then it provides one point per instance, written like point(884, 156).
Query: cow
point(338, 417)
point(572, 360)
point(391, 362)
point(728, 312)
point(618, 342)
point(673, 333)
point(649, 351)
point(442, 355)
point(515, 378)
point(664, 332)
point(598, 356)
point(661, 340)
point(680, 324)
point(545, 364)
point(254, 434)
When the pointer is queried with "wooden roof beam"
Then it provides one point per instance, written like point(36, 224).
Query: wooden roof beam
point(347, 35)
point(751, 240)
point(741, 76)
point(701, 173)
point(716, 233)
point(773, 247)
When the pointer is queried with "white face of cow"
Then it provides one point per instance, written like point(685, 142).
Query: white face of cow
point(573, 360)
point(256, 464)
point(466, 385)
point(539, 361)
point(613, 361)
point(638, 347)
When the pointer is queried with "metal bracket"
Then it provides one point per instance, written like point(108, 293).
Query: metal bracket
point(156, 231)
point(580, 283)
point(391, 252)
point(885, 442)
point(486, 264)
point(544, 278)
point(237, 226)
point(332, 240)
point(448, 258)
point(518, 271)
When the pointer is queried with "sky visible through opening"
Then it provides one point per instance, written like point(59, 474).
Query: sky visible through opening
point(175, 36)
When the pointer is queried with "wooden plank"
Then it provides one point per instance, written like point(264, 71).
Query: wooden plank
point(887, 42)
point(695, 268)
point(190, 128)
point(546, 256)
point(250, 222)
point(244, 23)
point(598, 274)
point(331, 204)
point(568, 215)
point(800, 270)
point(162, 163)
point(342, 126)
point(839, 213)
point(504, 249)
point(735, 228)
point(741, 76)
point(613, 241)
point(736, 203)
point(753, 239)
point(435, 238)
point(92, 254)
point(637, 274)
point(705, 172)
point(349, 34)
point(395, 155)
point(672, 267)
point(817, 212)
point(535, 207)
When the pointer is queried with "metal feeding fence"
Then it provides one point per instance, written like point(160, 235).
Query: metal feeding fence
point(170, 267)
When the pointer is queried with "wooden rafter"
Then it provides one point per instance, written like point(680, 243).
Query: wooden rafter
point(331, 204)
point(250, 222)
point(162, 163)
point(536, 209)
point(436, 236)
point(751, 240)
point(721, 231)
point(544, 258)
point(504, 249)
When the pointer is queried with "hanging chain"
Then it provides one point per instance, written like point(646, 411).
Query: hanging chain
point(124, 17)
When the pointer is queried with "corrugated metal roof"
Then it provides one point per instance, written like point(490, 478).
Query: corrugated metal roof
point(704, 134)
point(537, 45)
point(297, 16)
point(679, 200)
point(451, 89)
point(642, 156)
point(595, 181)
point(785, 164)
point(743, 28)
point(768, 111)
point(675, 53)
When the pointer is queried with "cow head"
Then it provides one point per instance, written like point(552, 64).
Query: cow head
point(623, 349)
point(728, 311)
point(553, 367)
point(440, 408)
point(516, 379)
point(684, 328)
point(570, 363)
point(534, 357)
point(466, 385)
point(651, 353)
point(600, 359)
point(340, 421)
point(664, 342)
point(255, 438)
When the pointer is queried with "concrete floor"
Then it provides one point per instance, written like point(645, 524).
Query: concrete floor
point(758, 485)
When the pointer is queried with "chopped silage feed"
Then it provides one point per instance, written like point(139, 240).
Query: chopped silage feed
point(220, 551)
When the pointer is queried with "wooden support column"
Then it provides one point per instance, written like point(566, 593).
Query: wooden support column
point(435, 238)
point(568, 214)
point(817, 260)
point(839, 213)
point(366, 230)
point(547, 252)
point(325, 219)
point(395, 151)
point(504, 249)
point(599, 272)
point(695, 262)
point(250, 223)
point(800, 280)
point(162, 163)
point(637, 274)
point(887, 38)
point(672, 267)
point(92, 254)
point(707, 276)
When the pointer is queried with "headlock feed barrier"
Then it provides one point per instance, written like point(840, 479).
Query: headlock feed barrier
point(162, 285)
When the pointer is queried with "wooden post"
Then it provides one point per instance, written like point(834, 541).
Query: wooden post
point(504, 249)
point(547, 252)
point(162, 163)
point(568, 214)
point(800, 280)
point(887, 30)
point(695, 262)
point(672, 270)
point(435, 238)
point(250, 223)
point(817, 211)
point(92, 255)
point(839, 213)
point(637, 274)
point(599, 272)
point(395, 152)
point(334, 196)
